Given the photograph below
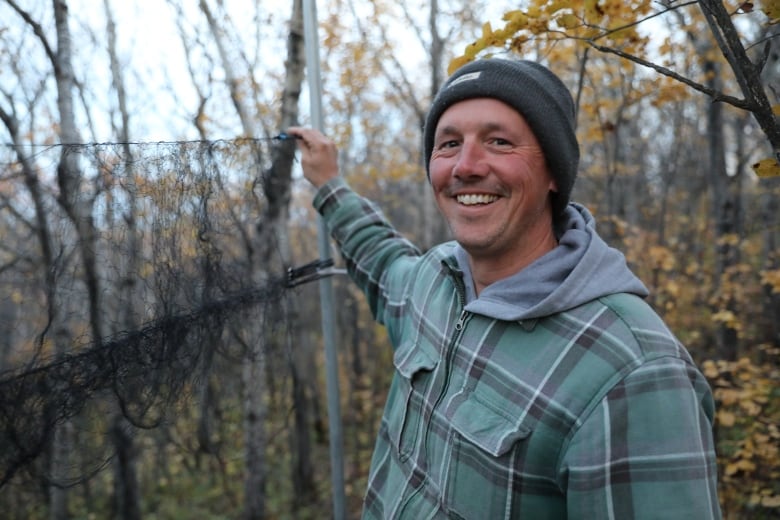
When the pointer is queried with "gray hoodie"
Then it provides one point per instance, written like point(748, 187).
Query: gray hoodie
point(582, 268)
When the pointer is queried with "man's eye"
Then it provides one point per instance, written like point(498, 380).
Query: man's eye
point(500, 141)
point(449, 144)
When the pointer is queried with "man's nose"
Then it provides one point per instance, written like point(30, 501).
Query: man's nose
point(471, 160)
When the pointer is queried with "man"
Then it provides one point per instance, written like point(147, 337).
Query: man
point(531, 379)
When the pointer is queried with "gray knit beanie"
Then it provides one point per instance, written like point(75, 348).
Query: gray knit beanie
point(536, 93)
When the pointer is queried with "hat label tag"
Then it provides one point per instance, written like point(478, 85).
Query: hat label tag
point(466, 77)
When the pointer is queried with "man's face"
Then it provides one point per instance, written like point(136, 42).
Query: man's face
point(490, 179)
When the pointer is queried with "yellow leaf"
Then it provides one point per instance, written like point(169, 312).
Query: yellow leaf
point(727, 318)
point(534, 11)
point(593, 12)
point(661, 257)
point(772, 279)
point(515, 22)
point(771, 8)
point(554, 6)
point(673, 288)
point(767, 168)
point(729, 239)
point(746, 465)
point(750, 407)
point(457, 63)
point(567, 21)
point(726, 419)
point(710, 369)
point(487, 30)
point(771, 501)
point(514, 15)
point(723, 316)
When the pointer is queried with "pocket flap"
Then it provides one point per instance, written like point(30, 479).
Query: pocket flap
point(485, 427)
point(410, 359)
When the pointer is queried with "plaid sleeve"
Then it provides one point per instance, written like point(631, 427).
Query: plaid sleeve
point(647, 449)
point(368, 243)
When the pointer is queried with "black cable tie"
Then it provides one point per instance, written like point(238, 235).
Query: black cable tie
point(311, 271)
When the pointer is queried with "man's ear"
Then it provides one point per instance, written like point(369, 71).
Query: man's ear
point(553, 186)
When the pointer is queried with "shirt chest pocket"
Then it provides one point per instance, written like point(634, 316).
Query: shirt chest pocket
point(415, 367)
point(487, 448)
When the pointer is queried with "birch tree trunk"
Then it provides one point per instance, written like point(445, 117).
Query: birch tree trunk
point(270, 244)
point(52, 267)
point(126, 489)
point(69, 180)
point(277, 190)
point(69, 174)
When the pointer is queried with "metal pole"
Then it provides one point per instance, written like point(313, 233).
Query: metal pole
point(311, 42)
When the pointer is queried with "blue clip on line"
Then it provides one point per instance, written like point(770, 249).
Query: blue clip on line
point(283, 136)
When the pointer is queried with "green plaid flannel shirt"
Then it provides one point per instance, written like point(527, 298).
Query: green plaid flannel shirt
point(594, 413)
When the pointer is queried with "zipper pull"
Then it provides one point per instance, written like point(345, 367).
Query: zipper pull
point(461, 321)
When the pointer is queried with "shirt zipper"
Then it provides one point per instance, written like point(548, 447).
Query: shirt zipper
point(460, 289)
point(448, 356)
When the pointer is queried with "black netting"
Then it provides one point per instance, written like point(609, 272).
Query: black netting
point(180, 235)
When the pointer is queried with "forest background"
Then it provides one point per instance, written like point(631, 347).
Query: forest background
point(154, 360)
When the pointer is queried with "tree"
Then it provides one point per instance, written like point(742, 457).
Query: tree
point(611, 27)
point(79, 210)
point(126, 489)
point(268, 247)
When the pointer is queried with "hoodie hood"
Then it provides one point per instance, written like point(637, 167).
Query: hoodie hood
point(581, 269)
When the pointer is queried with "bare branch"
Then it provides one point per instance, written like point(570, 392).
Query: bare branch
point(748, 75)
point(38, 30)
point(669, 7)
point(714, 94)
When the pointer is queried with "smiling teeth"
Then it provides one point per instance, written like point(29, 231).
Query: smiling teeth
point(470, 200)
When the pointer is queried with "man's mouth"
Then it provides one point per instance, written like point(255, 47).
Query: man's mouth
point(473, 199)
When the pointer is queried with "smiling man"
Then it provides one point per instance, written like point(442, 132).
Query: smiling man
point(531, 379)
point(491, 184)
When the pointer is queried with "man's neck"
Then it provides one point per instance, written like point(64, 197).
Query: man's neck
point(488, 269)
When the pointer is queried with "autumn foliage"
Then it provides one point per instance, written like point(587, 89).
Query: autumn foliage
point(748, 427)
point(682, 184)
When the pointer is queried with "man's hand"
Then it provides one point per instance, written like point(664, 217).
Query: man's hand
point(319, 156)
